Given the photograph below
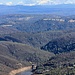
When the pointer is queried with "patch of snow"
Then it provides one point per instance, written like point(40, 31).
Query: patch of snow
point(71, 21)
point(6, 25)
point(26, 18)
point(61, 20)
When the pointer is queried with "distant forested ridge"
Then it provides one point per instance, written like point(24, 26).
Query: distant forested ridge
point(62, 9)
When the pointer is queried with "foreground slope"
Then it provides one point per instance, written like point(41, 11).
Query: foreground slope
point(16, 55)
point(61, 64)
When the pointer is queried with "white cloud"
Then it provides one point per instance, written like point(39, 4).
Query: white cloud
point(29, 4)
point(20, 3)
point(69, 2)
point(45, 2)
point(1, 3)
point(42, 2)
point(61, 2)
point(9, 3)
point(37, 2)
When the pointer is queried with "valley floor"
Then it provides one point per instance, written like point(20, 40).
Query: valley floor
point(14, 72)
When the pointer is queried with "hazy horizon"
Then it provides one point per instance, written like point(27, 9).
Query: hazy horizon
point(36, 2)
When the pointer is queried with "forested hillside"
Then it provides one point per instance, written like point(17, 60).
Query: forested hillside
point(42, 39)
point(17, 55)
point(64, 43)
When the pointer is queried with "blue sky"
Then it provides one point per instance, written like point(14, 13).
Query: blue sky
point(36, 2)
